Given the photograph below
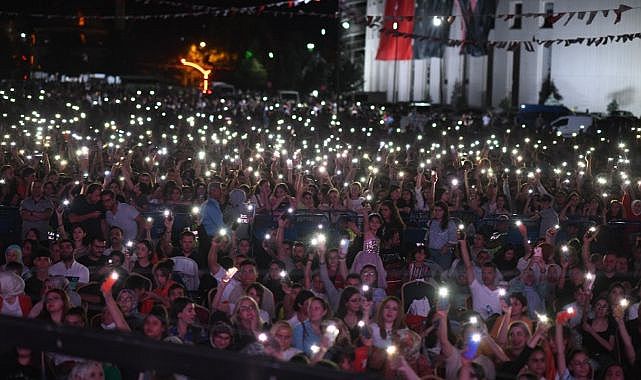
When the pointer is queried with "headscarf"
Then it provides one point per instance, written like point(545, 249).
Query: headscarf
point(10, 284)
point(14, 247)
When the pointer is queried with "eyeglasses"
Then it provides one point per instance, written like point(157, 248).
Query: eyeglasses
point(369, 274)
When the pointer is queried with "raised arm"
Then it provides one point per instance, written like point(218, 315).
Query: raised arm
point(588, 237)
point(465, 254)
point(560, 346)
point(447, 349)
point(114, 310)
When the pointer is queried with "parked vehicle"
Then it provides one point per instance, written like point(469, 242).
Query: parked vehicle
point(289, 96)
point(570, 126)
point(529, 113)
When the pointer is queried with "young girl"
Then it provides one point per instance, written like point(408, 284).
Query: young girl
point(79, 237)
point(143, 264)
point(371, 248)
point(418, 269)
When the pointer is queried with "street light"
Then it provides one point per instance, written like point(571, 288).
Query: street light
point(203, 71)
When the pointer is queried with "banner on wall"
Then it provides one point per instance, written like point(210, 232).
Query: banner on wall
point(394, 47)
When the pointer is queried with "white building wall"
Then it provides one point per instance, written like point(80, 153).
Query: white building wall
point(587, 77)
point(616, 65)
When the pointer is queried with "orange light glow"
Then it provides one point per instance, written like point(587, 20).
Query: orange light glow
point(203, 71)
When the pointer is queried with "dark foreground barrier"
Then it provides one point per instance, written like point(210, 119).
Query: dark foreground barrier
point(135, 352)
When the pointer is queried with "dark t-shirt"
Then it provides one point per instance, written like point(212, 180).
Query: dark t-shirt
point(93, 227)
point(602, 283)
point(593, 346)
point(144, 271)
point(93, 265)
point(33, 288)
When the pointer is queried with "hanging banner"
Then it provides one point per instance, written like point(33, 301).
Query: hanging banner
point(396, 46)
point(476, 24)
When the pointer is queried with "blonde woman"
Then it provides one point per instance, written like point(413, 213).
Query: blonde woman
point(246, 322)
point(282, 333)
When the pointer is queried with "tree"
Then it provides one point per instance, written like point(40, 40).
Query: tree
point(458, 100)
point(506, 104)
point(347, 75)
point(613, 107)
point(250, 73)
point(549, 90)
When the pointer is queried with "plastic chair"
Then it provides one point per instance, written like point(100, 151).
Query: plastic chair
point(187, 269)
point(202, 313)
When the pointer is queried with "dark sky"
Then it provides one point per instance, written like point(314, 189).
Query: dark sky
point(141, 46)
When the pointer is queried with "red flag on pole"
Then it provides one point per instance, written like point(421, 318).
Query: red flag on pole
point(399, 14)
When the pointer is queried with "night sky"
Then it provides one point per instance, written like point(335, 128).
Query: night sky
point(153, 47)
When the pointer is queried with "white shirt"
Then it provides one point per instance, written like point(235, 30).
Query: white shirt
point(220, 274)
point(125, 218)
point(484, 300)
point(233, 283)
point(75, 270)
point(13, 309)
point(294, 321)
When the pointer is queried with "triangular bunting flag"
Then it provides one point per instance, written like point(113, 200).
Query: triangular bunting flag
point(570, 17)
point(581, 15)
point(622, 8)
point(554, 18)
point(605, 12)
point(591, 17)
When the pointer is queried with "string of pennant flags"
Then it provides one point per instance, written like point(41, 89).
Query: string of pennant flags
point(528, 45)
point(248, 10)
point(551, 18)
point(276, 9)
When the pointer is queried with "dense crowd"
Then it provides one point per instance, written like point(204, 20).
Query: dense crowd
point(408, 243)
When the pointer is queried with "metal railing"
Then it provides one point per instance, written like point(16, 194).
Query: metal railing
point(139, 353)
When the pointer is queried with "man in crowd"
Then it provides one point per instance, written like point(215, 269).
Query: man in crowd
point(211, 218)
point(68, 267)
point(122, 215)
point(36, 210)
point(95, 259)
point(88, 211)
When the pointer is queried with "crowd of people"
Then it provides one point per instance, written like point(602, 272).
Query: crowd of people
point(326, 233)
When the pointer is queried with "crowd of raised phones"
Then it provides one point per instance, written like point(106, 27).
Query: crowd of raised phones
point(326, 233)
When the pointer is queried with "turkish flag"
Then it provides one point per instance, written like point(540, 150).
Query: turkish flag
point(393, 47)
